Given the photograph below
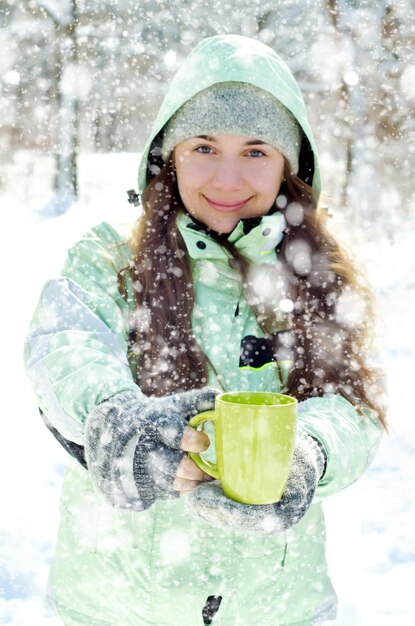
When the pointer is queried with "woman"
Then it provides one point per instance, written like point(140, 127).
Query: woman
point(229, 281)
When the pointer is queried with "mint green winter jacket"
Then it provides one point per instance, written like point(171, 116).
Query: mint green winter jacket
point(157, 567)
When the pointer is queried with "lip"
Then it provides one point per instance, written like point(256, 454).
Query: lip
point(227, 207)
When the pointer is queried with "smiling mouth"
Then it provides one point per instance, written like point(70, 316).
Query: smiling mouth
point(227, 207)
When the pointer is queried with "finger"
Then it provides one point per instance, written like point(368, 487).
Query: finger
point(194, 440)
point(184, 485)
point(188, 469)
point(185, 492)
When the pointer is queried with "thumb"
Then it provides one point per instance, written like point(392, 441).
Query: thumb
point(194, 440)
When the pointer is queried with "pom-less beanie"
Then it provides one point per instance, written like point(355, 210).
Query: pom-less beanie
point(236, 108)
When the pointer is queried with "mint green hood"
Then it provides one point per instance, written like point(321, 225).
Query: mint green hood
point(225, 58)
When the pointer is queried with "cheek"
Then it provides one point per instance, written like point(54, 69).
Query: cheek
point(266, 182)
point(190, 177)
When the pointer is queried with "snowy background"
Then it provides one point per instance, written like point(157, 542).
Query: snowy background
point(93, 89)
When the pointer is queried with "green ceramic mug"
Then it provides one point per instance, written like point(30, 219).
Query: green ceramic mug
point(254, 442)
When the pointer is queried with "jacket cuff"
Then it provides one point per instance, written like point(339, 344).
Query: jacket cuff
point(348, 439)
point(320, 456)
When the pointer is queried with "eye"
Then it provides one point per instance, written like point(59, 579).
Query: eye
point(256, 153)
point(204, 149)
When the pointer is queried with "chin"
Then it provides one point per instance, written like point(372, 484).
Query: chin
point(225, 226)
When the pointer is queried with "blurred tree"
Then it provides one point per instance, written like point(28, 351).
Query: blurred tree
point(374, 113)
point(64, 17)
point(46, 32)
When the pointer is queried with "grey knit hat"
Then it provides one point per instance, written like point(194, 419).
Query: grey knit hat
point(236, 108)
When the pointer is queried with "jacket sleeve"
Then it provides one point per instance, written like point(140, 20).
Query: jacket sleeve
point(350, 440)
point(76, 348)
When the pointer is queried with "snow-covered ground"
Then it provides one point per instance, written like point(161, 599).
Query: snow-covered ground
point(371, 536)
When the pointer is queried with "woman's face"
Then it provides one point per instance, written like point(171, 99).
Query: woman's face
point(226, 178)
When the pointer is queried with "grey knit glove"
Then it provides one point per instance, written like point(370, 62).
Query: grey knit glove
point(132, 444)
point(209, 503)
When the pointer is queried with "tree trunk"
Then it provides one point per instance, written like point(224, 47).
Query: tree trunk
point(344, 97)
point(66, 177)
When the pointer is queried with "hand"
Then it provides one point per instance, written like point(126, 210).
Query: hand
point(188, 475)
point(210, 504)
point(134, 446)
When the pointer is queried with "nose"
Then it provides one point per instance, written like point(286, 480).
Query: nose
point(227, 175)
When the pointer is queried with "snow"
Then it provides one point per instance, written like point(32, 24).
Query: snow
point(59, 10)
point(407, 82)
point(371, 541)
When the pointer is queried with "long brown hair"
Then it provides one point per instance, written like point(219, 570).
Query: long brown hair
point(327, 345)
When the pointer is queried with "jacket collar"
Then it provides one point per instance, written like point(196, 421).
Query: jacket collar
point(256, 239)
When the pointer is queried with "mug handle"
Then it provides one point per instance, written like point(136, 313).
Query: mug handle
point(205, 465)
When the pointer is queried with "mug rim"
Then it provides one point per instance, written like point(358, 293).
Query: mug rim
point(290, 402)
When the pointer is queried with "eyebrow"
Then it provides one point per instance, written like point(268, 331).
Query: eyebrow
point(251, 142)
